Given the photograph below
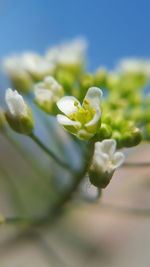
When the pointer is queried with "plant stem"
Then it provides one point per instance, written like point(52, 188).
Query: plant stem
point(126, 210)
point(49, 152)
point(63, 198)
point(136, 164)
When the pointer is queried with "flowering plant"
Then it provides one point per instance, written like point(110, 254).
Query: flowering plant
point(90, 114)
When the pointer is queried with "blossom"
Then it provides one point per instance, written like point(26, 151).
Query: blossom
point(20, 78)
point(69, 54)
point(18, 115)
point(135, 65)
point(81, 120)
point(16, 105)
point(105, 161)
point(37, 65)
point(47, 93)
point(28, 64)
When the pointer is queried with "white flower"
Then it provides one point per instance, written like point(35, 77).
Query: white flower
point(47, 93)
point(134, 65)
point(19, 115)
point(68, 53)
point(36, 65)
point(28, 63)
point(16, 105)
point(20, 78)
point(82, 121)
point(105, 161)
point(12, 66)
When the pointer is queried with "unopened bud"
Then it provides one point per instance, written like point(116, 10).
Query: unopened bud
point(19, 115)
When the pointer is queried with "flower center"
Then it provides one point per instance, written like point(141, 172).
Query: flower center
point(83, 114)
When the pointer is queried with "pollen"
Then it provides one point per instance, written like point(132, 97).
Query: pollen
point(86, 102)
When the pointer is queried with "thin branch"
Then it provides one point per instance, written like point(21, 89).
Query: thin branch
point(136, 164)
point(63, 198)
point(126, 210)
point(49, 152)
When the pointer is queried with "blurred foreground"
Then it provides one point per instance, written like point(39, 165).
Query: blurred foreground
point(112, 232)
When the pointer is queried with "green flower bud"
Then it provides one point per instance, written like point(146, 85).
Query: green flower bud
point(66, 79)
point(116, 135)
point(19, 115)
point(104, 132)
point(112, 80)
point(132, 138)
point(22, 82)
point(86, 81)
point(101, 78)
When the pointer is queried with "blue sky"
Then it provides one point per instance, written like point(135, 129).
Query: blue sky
point(113, 28)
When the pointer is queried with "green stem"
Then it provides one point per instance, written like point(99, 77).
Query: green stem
point(126, 210)
point(64, 197)
point(49, 152)
point(33, 164)
point(136, 164)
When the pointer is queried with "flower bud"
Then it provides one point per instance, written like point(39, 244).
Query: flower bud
point(19, 115)
point(19, 77)
point(105, 161)
point(105, 132)
point(112, 80)
point(101, 78)
point(117, 136)
point(131, 138)
point(86, 81)
point(47, 93)
point(66, 79)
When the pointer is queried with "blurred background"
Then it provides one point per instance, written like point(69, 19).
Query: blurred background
point(113, 29)
point(100, 234)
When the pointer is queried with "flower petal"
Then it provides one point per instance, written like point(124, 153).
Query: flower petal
point(108, 146)
point(63, 120)
point(69, 125)
point(42, 95)
point(67, 105)
point(15, 103)
point(118, 159)
point(94, 95)
point(100, 161)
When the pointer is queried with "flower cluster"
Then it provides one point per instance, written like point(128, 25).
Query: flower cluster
point(106, 108)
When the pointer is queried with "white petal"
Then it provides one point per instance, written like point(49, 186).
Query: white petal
point(94, 95)
point(15, 103)
point(43, 95)
point(118, 159)
point(66, 105)
point(94, 123)
point(100, 161)
point(63, 120)
point(108, 146)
